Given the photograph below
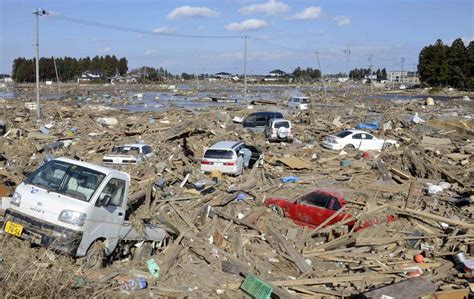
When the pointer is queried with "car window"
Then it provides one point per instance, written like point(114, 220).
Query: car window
point(115, 188)
point(334, 204)
point(343, 134)
point(250, 120)
point(317, 199)
point(146, 149)
point(282, 124)
point(218, 154)
point(357, 136)
point(368, 136)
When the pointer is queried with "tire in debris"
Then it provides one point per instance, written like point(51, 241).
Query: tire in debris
point(278, 210)
point(94, 258)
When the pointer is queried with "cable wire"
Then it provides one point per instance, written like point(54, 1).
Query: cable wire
point(128, 29)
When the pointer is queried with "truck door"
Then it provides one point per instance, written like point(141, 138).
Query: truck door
point(108, 214)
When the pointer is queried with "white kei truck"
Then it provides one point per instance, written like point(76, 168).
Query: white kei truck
point(79, 209)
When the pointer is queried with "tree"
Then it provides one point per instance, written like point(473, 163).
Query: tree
point(123, 66)
point(457, 64)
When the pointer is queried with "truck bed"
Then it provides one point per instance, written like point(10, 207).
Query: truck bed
point(152, 232)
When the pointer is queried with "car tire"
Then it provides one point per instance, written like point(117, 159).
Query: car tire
point(349, 147)
point(278, 210)
point(387, 146)
point(94, 258)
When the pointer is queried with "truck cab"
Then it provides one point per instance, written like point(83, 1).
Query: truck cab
point(68, 205)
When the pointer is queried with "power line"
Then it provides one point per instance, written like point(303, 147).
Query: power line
point(135, 30)
point(281, 46)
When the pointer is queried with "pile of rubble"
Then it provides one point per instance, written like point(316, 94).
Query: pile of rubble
point(228, 241)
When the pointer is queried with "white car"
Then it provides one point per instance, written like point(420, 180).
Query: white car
point(230, 157)
point(128, 154)
point(356, 139)
point(301, 103)
point(279, 129)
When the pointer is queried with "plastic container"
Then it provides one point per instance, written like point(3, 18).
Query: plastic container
point(136, 283)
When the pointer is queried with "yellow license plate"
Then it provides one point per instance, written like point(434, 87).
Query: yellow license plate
point(14, 228)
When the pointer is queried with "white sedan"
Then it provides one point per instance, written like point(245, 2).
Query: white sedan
point(356, 139)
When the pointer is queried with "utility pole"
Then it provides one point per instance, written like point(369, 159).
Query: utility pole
point(403, 60)
point(37, 13)
point(57, 76)
point(347, 52)
point(322, 77)
point(245, 70)
point(370, 73)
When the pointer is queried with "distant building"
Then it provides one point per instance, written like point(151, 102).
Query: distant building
point(278, 73)
point(406, 76)
point(5, 78)
point(223, 75)
point(90, 76)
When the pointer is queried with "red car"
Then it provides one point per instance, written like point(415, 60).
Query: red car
point(314, 208)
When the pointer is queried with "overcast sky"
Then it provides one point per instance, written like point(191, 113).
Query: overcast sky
point(282, 34)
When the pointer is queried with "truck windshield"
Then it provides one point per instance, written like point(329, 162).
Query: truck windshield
point(68, 179)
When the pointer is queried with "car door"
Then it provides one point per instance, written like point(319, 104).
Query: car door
point(105, 221)
point(356, 140)
point(368, 142)
point(312, 208)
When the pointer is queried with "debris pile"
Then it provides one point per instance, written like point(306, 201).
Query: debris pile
point(409, 228)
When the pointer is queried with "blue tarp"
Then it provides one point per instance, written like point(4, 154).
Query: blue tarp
point(290, 179)
point(368, 126)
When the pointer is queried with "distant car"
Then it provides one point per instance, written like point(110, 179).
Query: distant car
point(128, 154)
point(258, 121)
point(356, 139)
point(230, 157)
point(279, 129)
point(315, 207)
point(301, 103)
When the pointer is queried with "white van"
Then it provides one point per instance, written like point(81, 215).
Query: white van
point(230, 157)
point(301, 103)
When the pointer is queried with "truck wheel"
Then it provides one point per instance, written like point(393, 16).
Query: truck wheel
point(278, 210)
point(143, 253)
point(94, 258)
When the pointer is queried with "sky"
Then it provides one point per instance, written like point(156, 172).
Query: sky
point(281, 34)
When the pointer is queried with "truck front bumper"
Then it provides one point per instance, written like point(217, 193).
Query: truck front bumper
point(48, 235)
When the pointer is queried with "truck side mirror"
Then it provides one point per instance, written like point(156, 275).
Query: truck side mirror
point(105, 201)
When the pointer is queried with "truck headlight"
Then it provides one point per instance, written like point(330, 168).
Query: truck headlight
point(72, 217)
point(16, 199)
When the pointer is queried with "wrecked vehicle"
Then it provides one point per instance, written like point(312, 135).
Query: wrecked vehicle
point(279, 129)
point(300, 103)
point(257, 121)
point(230, 157)
point(309, 209)
point(316, 207)
point(79, 209)
point(128, 154)
point(356, 139)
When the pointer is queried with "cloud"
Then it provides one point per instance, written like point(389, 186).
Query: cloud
point(190, 11)
point(272, 7)
point(309, 13)
point(165, 29)
point(151, 52)
point(342, 20)
point(105, 50)
point(248, 25)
